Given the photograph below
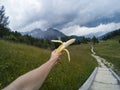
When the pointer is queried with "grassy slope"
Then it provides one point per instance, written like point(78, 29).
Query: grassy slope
point(17, 59)
point(110, 50)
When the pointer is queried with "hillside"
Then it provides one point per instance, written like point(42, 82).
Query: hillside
point(110, 50)
point(110, 35)
point(17, 59)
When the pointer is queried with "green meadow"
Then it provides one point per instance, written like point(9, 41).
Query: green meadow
point(110, 50)
point(17, 59)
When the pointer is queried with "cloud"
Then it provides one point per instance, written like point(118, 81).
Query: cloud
point(21, 12)
point(82, 30)
point(60, 13)
point(35, 25)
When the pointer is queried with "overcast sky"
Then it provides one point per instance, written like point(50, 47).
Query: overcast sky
point(73, 17)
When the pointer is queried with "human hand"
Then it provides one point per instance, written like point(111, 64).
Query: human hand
point(55, 56)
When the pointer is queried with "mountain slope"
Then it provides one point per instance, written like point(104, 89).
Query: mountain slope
point(110, 35)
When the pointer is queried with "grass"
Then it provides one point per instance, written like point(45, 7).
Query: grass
point(17, 59)
point(110, 50)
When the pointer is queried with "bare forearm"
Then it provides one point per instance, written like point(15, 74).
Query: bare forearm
point(33, 79)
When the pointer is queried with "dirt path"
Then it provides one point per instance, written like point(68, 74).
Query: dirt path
point(104, 78)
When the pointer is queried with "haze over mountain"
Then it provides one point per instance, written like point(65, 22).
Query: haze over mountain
point(48, 34)
point(72, 17)
point(52, 33)
point(110, 35)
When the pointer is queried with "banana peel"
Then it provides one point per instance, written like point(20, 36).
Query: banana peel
point(63, 46)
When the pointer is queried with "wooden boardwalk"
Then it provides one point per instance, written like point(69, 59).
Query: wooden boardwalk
point(102, 78)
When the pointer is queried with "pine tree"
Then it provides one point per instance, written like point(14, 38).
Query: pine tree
point(3, 19)
point(95, 40)
point(84, 40)
point(4, 30)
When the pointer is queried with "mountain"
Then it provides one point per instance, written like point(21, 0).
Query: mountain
point(96, 34)
point(99, 34)
point(49, 34)
point(110, 35)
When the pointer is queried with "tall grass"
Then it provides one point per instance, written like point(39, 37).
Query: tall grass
point(17, 59)
point(110, 50)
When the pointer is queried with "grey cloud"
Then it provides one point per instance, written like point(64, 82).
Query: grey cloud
point(62, 13)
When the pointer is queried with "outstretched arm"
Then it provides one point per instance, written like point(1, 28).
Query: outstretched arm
point(34, 79)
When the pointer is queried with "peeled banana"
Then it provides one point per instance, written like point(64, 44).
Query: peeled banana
point(63, 46)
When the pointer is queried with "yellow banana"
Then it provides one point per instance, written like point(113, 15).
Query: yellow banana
point(63, 46)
